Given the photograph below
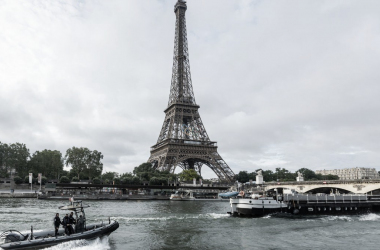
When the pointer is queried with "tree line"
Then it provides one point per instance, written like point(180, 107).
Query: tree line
point(16, 157)
point(282, 174)
point(85, 165)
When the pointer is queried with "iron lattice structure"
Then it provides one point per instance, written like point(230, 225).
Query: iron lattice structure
point(183, 140)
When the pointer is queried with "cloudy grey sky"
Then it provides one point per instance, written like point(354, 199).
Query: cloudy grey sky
point(280, 83)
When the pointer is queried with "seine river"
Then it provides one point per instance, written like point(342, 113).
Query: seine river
point(198, 225)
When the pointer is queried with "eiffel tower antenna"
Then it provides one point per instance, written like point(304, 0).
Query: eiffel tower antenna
point(183, 140)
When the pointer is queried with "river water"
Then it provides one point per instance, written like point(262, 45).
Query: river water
point(197, 225)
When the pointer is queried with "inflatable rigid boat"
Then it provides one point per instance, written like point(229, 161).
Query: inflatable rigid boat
point(13, 239)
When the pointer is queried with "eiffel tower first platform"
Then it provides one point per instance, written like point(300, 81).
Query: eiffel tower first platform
point(183, 140)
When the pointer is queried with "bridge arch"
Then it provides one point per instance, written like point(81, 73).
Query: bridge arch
point(358, 186)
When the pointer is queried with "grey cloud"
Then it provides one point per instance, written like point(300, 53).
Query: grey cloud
point(280, 84)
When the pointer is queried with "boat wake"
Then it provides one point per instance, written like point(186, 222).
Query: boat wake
point(369, 217)
point(326, 218)
point(97, 244)
point(338, 218)
point(199, 216)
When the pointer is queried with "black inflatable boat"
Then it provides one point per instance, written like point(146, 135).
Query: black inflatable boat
point(13, 239)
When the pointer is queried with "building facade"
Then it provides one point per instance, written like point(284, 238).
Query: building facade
point(351, 173)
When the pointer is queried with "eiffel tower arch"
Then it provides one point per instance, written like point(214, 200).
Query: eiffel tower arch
point(183, 141)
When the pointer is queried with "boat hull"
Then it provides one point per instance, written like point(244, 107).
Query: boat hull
point(52, 241)
point(262, 207)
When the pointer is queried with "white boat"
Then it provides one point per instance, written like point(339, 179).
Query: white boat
point(292, 202)
point(255, 205)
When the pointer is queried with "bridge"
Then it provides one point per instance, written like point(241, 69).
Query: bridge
point(350, 186)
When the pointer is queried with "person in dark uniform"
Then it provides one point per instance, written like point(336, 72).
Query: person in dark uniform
point(66, 224)
point(80, 225)
point(71, 222)
point(57, 222)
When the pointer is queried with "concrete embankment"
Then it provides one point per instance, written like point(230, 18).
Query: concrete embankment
point(84, 197)
point(18, 195)
point(105, 197)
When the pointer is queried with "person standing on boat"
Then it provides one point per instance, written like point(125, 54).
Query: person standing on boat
point(57, 222)
point(66, 224)
point(80, 225)
point(71, 222)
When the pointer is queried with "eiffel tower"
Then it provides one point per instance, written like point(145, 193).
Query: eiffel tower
point(183, 140)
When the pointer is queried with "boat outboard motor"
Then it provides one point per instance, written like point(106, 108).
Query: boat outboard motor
point(11, 236)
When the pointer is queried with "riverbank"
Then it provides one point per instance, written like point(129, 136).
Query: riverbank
point(103, 197)
point(18, 194)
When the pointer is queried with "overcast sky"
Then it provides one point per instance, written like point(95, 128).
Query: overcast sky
point(280, 83)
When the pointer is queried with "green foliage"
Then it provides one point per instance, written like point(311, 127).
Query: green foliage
point(136, 180)
point(26, 179)
point(44, 180)
point(125, 175)
point(268, 175)
point(127, 180)
point(66, 173)
point(283, 174)
point(242, 177)
point(109, 175)
point(83, 176)
point(309, 174)
point(189, 174)
point(144, 167)
point(84, 160)
point(17, 180)
point(64, 179)
point(14, 156)
point(47, 162)
point(96, 180)
point(158, 181)
point(252, 176)
point(116, 181)
point(330, 177)
point(75, 179)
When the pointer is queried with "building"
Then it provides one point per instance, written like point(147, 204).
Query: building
point(351, 173)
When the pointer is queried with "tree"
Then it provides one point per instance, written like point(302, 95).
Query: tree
point(14, 156)
point(84, 160)
point(109, 175)
point(64, 179)
point(136, 180)
point(96, 180)
point(116, 181)
point(126, 175)
point(126, 180)
point(47, 162)
point(43, 180)
point(283, 174)
point(330, 177)
point(252, 176)
point(242, 177)
point(268, 175)
point(17, 180)
point(307, 174)
point(158, 181)
point(144, 167)
point(75, 179)
point(189, 174)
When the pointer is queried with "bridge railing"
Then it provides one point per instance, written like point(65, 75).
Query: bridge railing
point(361, 181)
